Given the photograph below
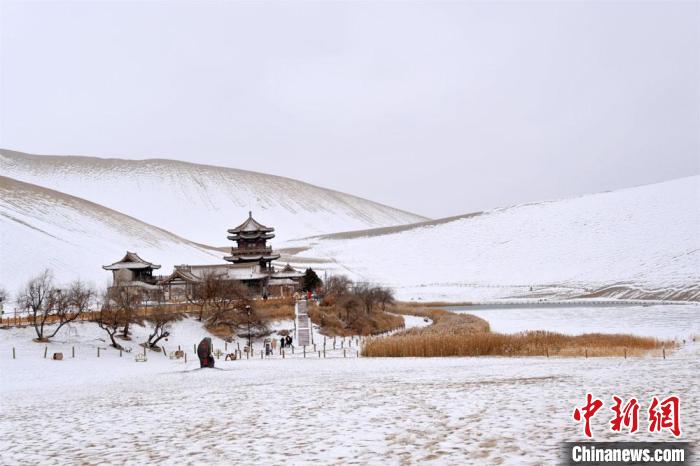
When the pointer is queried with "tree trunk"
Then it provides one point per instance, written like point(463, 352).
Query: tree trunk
point(155, 343)
point(114, 342)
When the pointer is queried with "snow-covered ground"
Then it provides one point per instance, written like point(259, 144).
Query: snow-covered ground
point(313, 411)
point(200, 202)
point(645, 238)
point(661, 321)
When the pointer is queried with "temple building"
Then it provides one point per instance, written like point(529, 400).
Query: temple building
point(251, 244)
point(131, 270)
point(250, 262)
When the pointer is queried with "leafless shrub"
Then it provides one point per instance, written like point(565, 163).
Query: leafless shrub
point(47, 304)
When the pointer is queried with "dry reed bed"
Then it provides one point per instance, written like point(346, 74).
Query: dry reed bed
point(454, 334)
point(535, 343)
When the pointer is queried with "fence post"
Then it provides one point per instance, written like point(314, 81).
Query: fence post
point(73, 352)
point(586, 353)
point(664, 352)
point(261, 354)
point(343, 352)
point(282, 354)
point(185, 358)
point(46, 349)
point(98, 351)
point(120, 352)
point(625, 353)
point(547, 350)
point(194, 348)
point(164, 353)
point(13, 353)
point(226, 346)
point(304, 350)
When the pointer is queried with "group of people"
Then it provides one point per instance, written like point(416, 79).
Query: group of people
point(285, 341)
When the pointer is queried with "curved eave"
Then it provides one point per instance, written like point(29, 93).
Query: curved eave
point(237, 237)
point(251, 258)
point(123, 265)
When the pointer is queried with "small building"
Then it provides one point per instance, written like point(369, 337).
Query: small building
point(131, 270)
point(180, 284)
point(284, 282)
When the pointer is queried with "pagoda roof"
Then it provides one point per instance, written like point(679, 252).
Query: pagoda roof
point(131, 261)
point(288, 272)
point(251, 226)
point(252, 257)
point(251, 235)
point(182, 273)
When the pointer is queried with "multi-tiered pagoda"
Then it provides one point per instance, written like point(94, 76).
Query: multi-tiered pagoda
point(251, 238)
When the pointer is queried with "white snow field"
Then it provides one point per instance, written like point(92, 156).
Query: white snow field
point(200, 202)
point(41, 228)
point(472, 411)
point(638, 242)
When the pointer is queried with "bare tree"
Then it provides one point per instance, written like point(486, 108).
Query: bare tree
point(202, 294)
point(110, 318)
point(161, 318)
point(47, 304)
point(385, 296)
point(128, 299)
point(369, 295)
point(227, 298)
point(336, 286)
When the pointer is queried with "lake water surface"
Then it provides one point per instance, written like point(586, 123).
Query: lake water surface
point(664, 321)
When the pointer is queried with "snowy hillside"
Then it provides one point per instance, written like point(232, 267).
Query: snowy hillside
point(201, 202)
point(41, 228)
point(637, 242)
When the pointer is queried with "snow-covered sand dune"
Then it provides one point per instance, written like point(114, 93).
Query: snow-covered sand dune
point(200, 202)
point(644, 240)
point(41, 228)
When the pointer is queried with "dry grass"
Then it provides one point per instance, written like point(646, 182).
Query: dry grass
point(334, 322)
point(536, 343)
point(277, 309)
point(454, 334)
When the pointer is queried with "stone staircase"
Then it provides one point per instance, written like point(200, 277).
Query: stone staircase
point(303, 324)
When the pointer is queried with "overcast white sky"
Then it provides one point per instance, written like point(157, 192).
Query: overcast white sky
point(437, 108)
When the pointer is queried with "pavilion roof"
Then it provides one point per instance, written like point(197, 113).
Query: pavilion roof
point(131, 261)
point(251, 226)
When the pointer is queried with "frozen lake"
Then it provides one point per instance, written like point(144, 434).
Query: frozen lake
point(663, 321)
